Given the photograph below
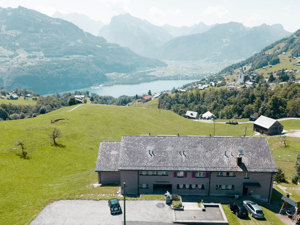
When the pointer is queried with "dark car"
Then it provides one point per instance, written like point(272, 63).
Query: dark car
point(238, 209)
point(114, 206)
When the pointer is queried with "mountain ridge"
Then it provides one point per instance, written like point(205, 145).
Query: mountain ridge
point(46, 54)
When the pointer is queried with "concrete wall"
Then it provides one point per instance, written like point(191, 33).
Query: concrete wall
point(109, 177)
point(132, 183)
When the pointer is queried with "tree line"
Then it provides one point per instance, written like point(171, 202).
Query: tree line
point(278, 102)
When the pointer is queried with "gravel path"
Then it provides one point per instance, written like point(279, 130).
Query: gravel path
point(74, 108)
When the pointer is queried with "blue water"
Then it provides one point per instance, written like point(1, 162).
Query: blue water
point(139, 89)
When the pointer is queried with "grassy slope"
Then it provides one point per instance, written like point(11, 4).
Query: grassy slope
point(20, 101)
point(54, 173)
point(26, 186)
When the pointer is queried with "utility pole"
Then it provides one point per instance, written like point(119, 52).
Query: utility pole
point(214, 127)
point(124, 194)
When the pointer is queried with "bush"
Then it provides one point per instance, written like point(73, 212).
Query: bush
point(43, 110)
point(279, 176)
point(176, 204)
point(175, 197)
point(295, 179)
point(14, 116)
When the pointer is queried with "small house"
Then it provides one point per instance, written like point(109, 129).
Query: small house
point(208, 116)
point(13, 96)
point(146, 98)
point(253, 117)
point(191, 115)
point(266, 125)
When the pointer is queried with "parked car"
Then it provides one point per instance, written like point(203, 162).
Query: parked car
point(254, 209)
point(114, 206)
point(238, 209)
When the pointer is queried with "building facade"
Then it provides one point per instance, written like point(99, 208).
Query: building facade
point(204, 166)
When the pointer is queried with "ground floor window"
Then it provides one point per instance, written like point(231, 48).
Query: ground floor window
point(144, 186)
point(224, 187)
point(191, 186)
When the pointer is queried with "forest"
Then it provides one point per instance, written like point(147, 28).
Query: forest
point(276, 102)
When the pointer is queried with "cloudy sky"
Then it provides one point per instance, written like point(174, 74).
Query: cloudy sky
point(176, 12)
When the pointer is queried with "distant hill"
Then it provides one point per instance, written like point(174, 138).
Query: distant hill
point(281, 54)
point(186, 30)
point(139, 35)
point(230, 41)
point(82, 21)
point(46, 54)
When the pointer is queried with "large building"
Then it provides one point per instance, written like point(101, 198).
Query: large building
point(189, 165)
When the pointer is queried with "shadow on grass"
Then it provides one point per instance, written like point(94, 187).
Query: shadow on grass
point(59, 145)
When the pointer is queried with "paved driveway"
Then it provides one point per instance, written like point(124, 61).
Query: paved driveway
point(86, 212)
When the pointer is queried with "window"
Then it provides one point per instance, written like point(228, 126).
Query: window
point(144, 186)
point(226, 174)
point(200, 174)
point(224, 187)
point(153, 173)
point(200, 186)
point(246, 175)
point(164, 173)
point(180, 174)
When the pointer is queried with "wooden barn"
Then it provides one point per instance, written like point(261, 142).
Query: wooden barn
point(266, 125)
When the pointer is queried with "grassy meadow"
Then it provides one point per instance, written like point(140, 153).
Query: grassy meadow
point(20, 101)
point(67, 172)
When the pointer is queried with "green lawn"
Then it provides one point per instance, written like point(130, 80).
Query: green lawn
point(271, 219)
point(291, 124)
point(52, 173)
point(20, 101)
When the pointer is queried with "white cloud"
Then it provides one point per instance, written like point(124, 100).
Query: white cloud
point(217, 11)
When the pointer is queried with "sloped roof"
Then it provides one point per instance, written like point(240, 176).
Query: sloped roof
point(208, 114)
point(108, 156)
point(191, 114)
point(188, 153)
point(265, 122)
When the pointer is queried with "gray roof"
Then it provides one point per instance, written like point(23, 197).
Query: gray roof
point(108, 156)
point(265, 122)
point(193, 153)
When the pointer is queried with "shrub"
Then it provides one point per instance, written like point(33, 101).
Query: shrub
point(295, 179)
point(176, 204)
point(43, 110)
point(279, 176)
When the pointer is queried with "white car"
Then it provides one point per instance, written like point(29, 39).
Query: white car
point(254, 209)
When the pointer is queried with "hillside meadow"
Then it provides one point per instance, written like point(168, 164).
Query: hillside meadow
point(67, 172)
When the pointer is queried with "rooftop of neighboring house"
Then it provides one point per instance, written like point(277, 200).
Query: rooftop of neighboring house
point(265, 122)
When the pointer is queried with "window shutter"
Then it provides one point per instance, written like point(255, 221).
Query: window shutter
point(193, 174)
point(207, 174)
point(175, 174)
point(185, 174)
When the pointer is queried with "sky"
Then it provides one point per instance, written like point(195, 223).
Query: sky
point(176, 12)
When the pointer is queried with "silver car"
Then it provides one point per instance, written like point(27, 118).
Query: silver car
point(254, 209)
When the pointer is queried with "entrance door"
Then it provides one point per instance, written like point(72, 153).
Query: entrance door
point(245, 191)
point(162, 188)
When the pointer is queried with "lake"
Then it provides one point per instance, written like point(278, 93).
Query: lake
point(140, 89)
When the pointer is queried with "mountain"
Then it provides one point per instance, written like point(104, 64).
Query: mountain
point(186, 30)
point(230, 41)
point(82, 21)
point(139, 35)
point(282, 54)
point(46, 54)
